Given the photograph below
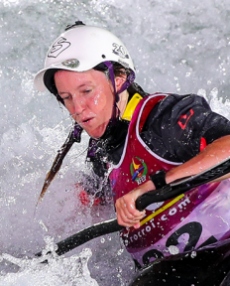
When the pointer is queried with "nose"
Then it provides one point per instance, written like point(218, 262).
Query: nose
point(78, 105)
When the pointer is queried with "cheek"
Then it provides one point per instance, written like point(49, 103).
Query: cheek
point(102, 102)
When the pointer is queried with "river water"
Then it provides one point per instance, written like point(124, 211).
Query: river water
point(176, 48)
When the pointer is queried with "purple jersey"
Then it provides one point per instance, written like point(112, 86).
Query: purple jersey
point(188, 221)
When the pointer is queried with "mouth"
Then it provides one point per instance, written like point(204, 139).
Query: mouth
point(86, 121)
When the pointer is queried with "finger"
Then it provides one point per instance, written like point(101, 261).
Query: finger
point(128, 205)
point(137, 225)
point(127, 212)
point(125, 221)
point(133, 212)
point(125, 216)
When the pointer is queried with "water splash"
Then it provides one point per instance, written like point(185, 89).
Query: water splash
point(175, 48)
point(58, 272)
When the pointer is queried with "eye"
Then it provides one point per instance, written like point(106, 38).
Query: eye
point(65, 96)
point(86, 91)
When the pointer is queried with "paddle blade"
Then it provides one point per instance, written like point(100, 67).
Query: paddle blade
point(57, 163)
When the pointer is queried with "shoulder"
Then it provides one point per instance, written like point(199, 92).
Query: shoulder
point(183, 101)
point(174, 105)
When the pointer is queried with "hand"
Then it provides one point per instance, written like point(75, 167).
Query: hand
point(127, 214)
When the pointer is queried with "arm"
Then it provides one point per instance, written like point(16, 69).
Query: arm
point(219, 150)
point(212, 155)
point(211, 127)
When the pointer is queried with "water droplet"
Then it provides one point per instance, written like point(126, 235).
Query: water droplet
point(173, 249)
point(193, 254)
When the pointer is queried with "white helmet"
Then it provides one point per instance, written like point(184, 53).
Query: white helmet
point(81, 48)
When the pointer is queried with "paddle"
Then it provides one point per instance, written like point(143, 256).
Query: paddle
point(183, 185)
point(165, 193)
point(73, 136)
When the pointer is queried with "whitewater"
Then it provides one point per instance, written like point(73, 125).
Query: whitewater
point(176, 47)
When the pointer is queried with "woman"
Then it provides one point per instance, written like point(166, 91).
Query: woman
point(142, 141)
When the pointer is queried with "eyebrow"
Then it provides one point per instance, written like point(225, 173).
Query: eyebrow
point(80, 86)
point(84, 84)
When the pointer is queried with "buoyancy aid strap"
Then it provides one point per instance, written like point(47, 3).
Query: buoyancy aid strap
point(148, 108)
point(131, 106)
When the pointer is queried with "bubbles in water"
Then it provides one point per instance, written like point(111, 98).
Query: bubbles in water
point(62, 271)
point(193, 254)
point(120, 251)
point(173, 249)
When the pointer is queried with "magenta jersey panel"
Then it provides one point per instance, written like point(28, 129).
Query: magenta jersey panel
point(186, 222)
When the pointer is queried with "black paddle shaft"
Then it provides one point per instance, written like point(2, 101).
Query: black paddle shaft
point(85, 235)
point(181, 186)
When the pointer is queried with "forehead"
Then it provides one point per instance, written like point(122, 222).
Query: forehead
point(64, 76)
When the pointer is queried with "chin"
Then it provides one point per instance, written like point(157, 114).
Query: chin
point(97, 133)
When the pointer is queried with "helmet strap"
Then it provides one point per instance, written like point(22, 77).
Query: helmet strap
point(126, 84)
point(111, 76)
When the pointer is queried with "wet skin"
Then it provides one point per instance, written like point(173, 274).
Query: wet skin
point(89, 98)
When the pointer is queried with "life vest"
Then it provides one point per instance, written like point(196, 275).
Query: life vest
point(176, 225)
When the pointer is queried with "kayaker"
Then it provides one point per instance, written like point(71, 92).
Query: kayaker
point(141, 142)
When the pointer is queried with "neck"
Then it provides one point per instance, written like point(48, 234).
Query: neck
point(123, 99)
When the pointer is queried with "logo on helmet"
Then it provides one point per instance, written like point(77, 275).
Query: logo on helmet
point(58, 47)
point(120, 51)
point(71, 63)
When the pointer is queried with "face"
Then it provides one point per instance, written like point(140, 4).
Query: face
point(89, 98)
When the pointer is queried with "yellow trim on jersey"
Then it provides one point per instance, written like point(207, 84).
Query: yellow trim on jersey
point(127, 115)
point(160, 210)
